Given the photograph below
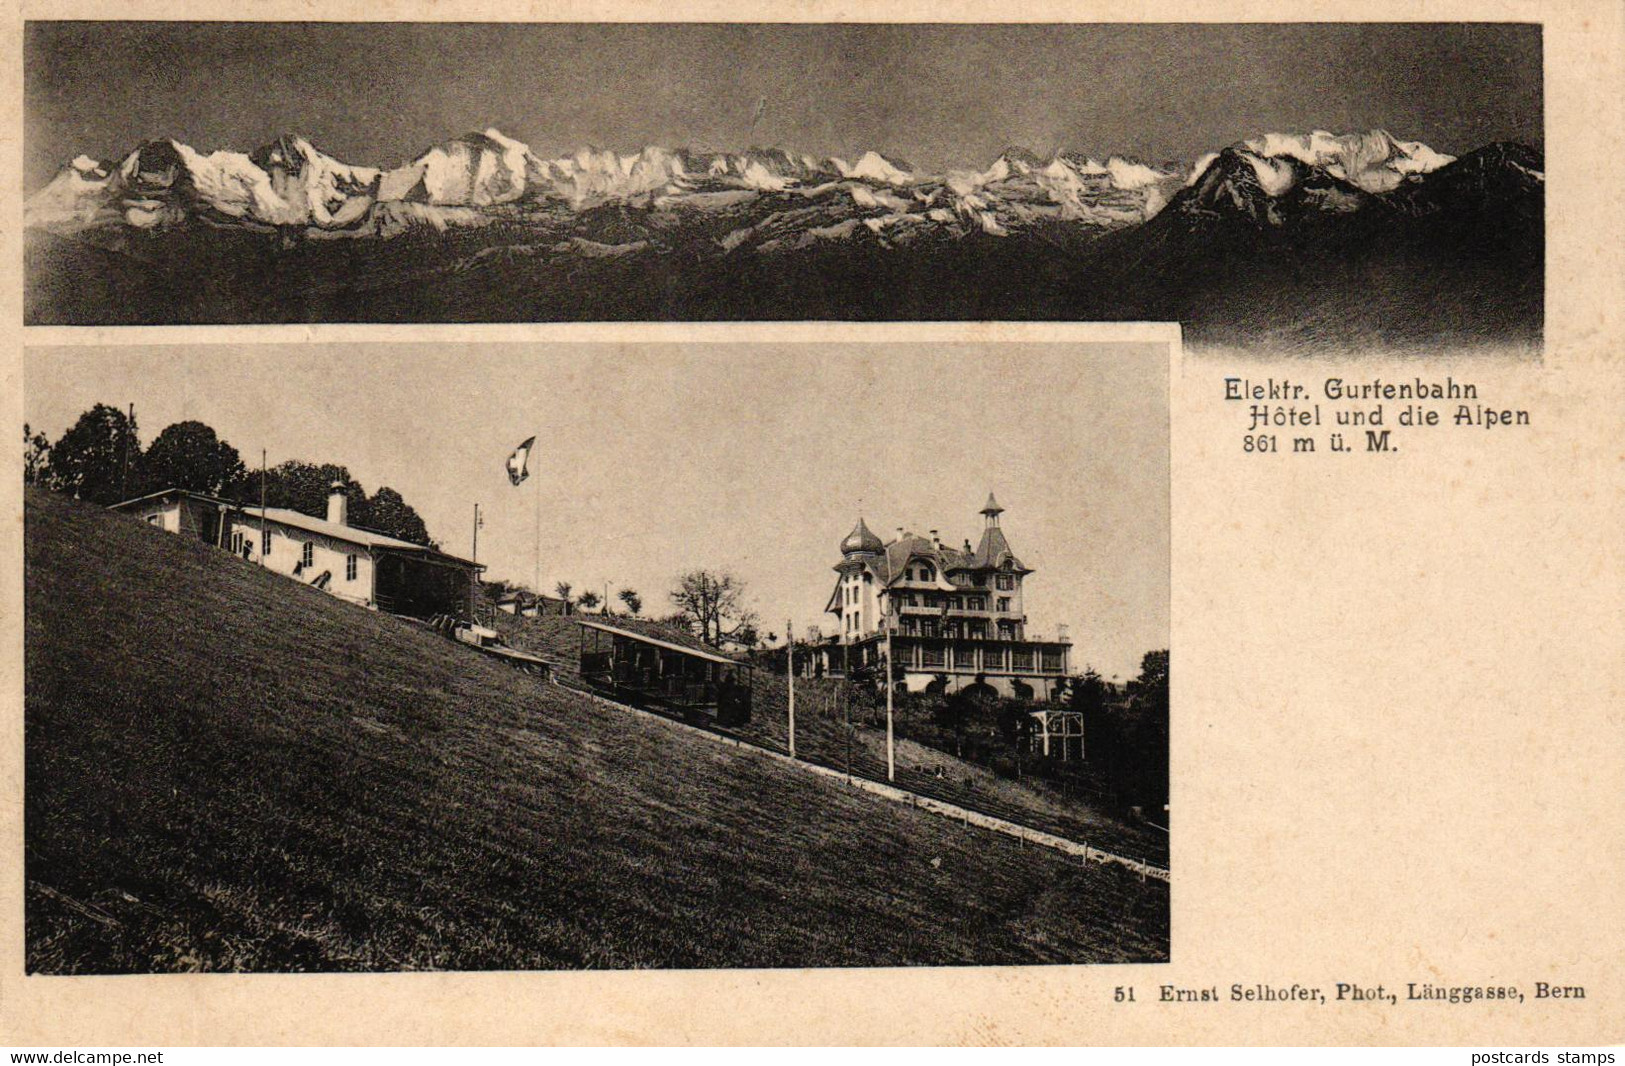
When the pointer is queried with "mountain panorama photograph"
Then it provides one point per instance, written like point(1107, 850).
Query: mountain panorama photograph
point(1280, 188)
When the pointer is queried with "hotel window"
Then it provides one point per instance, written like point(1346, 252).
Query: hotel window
point(927, 574)
point(1004, 603)
point(349, 568)
point(307, 556)
point(237, 542)
point(1006, 582)
point(265, 542)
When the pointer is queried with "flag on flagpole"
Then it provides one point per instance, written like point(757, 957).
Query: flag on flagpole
point(519, 462)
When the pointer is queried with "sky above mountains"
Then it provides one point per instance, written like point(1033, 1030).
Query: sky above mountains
point(934, 96)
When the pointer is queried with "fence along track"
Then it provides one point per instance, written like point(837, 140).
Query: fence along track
point(865, 764)
point(919, 801)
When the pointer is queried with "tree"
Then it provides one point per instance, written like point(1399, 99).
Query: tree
point(632, 601)
point(303, 487)
point(564, 588)
point(188, 455)
point(588, 600)
point(712, 606)
point(1088, 698)
point(96, 458)
point(1148, 730)
point(1130, 740)
point(954, 711)
point(387, 512)
point(36, 457)
point(1153, 679)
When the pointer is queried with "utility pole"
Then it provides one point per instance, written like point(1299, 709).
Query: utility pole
point(845, 696)
point(474, 554)
point(264, 529)
point(845, 693)
point(537, 578)
point(124, 473)
point(790, 672)
point(891, 751)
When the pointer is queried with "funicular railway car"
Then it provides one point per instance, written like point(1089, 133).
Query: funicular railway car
point(648, 671)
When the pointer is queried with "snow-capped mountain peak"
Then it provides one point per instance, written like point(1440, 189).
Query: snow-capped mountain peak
point(872, 166)
point(1373, 161)
point(90, 168)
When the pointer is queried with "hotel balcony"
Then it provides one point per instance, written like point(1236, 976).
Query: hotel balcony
point(965, 655)
point(960, 612)
point(918, 610)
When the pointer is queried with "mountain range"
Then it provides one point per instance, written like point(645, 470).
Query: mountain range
point(482, 228)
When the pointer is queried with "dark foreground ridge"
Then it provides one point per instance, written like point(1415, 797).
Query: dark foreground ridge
point(229, 771)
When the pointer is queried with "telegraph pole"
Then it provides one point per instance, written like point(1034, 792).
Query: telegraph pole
point(845, 693)
point(263, 526)
point(790, 672)
point(124, 472)
point(891, 751)
point(537, 578)
point(474, 554)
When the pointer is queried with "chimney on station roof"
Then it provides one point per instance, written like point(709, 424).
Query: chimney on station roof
point(338, 505)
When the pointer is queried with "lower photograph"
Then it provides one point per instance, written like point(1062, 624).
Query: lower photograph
point(557, 655)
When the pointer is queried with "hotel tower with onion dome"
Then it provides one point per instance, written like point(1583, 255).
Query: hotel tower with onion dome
point(956, 616)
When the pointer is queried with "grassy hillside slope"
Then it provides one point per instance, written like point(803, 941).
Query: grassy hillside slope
point(226, 770)
point(825, 736)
